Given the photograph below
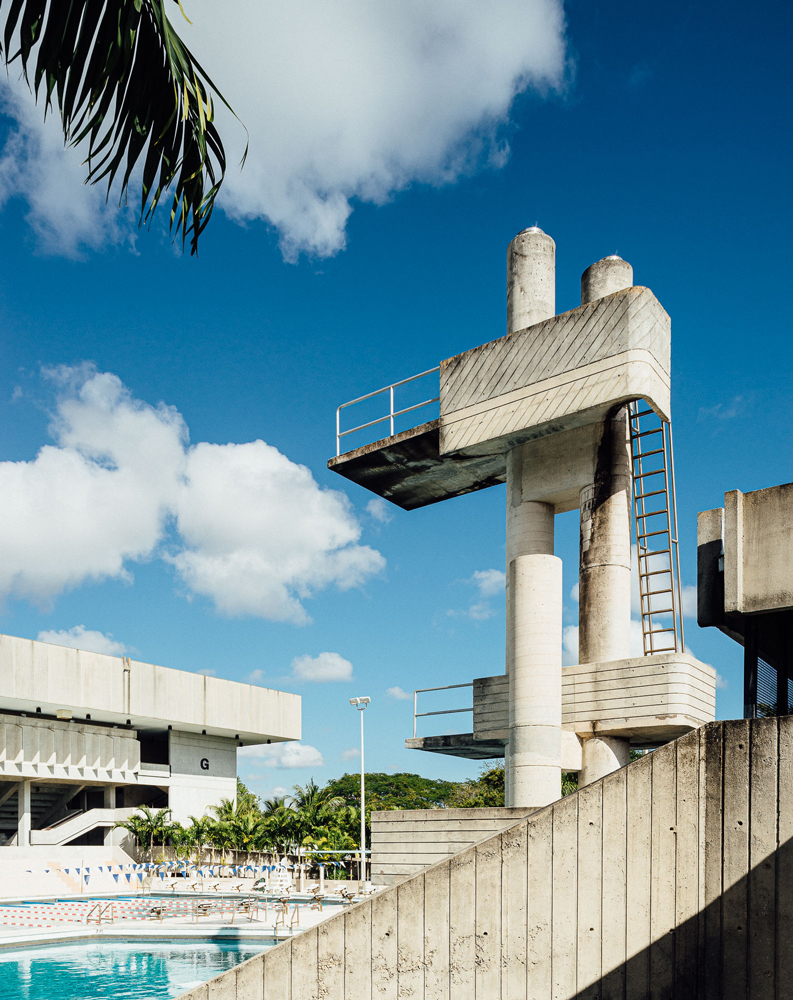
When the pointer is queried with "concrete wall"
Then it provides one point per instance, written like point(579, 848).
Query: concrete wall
point(404, 841)
point(203, 771)
point(47, 748)
point(113, 689)
point(562, 373)
point(671, 878)
point(28, 873)
point(650, 699)
point(758, 550)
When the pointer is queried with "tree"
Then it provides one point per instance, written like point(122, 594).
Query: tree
point(485, 791)
point(149, 828)
point(126, 84)
point(246, 800)
point(393, 791)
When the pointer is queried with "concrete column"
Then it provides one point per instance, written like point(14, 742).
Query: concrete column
point(534, 647)
point(531, 279)
point(600, 755)
point(604, 610)
point(109, 803)
point(605, 277)
point(534, 574)
point(23, 814)
point(534, 624)
point(604, 624)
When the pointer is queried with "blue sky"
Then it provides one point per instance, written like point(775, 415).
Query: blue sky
point(658, 133)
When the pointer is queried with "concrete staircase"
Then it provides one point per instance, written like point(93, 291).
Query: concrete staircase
point(670, 878)
point(72, 827)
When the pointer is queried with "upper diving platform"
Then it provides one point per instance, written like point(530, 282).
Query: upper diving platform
point(561, 375)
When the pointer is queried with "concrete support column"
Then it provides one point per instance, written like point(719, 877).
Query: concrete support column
point(534, 647)
point(534, 574)
point(109, 803)
point(23, 814)
point(534, 625)
point(600, 755)
point(604, 624)
point(604, 611)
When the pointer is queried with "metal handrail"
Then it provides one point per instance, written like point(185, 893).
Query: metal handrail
point(446, 711)
point(391, 411)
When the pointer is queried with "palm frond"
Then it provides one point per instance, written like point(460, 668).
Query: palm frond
point(124, 82)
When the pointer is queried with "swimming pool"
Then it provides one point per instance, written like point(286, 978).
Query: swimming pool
point(117, 970)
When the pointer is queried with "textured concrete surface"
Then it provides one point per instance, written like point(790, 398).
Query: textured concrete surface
point(405, 841)
point(559, 375)
point(672, 877)
point(758, 550)
point(604, 575)
point(534, 651)
point(562, 373)
point(113, 689)
point(531, 279)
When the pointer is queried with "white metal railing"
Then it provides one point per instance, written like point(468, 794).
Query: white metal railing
point(391, 411)
point(445, 711)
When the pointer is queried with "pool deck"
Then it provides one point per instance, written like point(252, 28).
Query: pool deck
point(136, 917)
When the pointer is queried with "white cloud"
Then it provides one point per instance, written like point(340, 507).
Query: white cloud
point(255, 677)
point(207, 672)
point(398, 694)
point(379, 510)
point(570, 642)
point(352, 754)
point(282, 755)
point(570, 645)
point(103, 495)
point(325, 667)
point(490, 581)
point(345, 101)
point(287, 539)
point(689, 601)
point(65, 214)
point(574, 592)
point(80, 637)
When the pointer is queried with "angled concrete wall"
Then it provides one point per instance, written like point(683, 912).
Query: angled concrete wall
point(671, 878)
point(405, 841)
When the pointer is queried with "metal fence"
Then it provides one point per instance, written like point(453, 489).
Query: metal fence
point(392, 413)
point(446, 711)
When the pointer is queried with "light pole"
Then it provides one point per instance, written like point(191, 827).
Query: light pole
point(360, 704)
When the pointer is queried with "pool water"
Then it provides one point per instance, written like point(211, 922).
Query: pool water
point(117, 970)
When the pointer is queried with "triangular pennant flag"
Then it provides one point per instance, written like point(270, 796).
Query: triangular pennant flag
point(127, 876)
point(114, 876)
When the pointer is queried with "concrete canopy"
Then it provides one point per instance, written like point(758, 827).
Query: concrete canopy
point(45, 678)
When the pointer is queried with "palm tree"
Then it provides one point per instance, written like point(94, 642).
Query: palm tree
point(199, 834)
point(314, 807)
point(124, 81)
point(148, 827)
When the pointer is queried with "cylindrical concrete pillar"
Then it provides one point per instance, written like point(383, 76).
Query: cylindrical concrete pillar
point(604, 623)
point(600, 755)
point(605, 277)
point(534, 621)
point(24, 813)
point(604, 591)
point(534, 575)
point(531, 279)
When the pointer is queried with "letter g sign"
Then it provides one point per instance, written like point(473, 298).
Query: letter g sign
point(204, 764)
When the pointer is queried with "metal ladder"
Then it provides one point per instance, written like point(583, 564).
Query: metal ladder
point(655, 518)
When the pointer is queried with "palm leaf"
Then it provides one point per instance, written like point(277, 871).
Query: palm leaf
point(124, 83)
